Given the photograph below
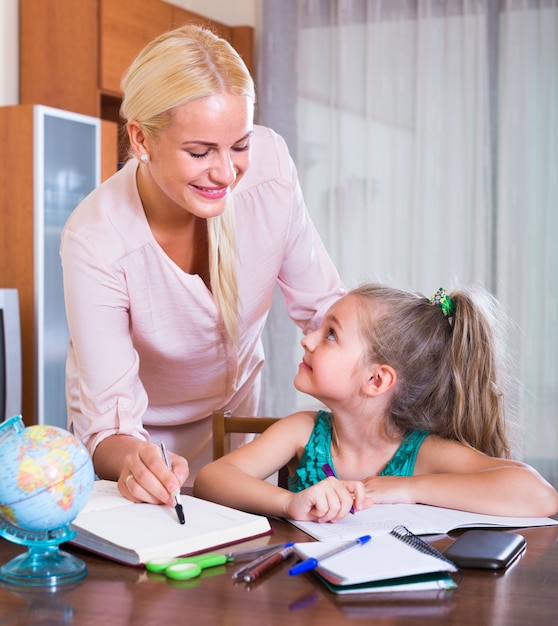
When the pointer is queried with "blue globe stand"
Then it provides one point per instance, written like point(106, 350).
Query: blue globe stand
point(44, 564)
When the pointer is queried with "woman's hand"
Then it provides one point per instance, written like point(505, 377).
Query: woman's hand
point(146, 478)
point(330, 500)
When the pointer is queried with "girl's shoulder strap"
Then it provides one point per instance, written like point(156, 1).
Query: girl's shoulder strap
point(402, 463)
point(316, 452)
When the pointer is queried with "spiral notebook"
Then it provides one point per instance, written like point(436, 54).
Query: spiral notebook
point(398, 560)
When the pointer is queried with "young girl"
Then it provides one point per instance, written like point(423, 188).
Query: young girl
point(416, 415)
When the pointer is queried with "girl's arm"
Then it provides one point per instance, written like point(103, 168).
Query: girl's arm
point(449, 474)
point(238, 479)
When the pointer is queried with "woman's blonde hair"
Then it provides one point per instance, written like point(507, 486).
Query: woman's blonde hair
point(452, 370)
point(180, 65)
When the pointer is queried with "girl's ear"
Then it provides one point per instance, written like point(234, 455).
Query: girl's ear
point(381, 379)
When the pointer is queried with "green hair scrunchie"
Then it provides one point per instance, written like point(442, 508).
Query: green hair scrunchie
point(442, 299)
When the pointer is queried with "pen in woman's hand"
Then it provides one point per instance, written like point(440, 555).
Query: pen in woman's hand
point(177, 506)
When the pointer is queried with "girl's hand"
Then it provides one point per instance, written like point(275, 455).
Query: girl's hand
point(146, 478)
point(330, 500)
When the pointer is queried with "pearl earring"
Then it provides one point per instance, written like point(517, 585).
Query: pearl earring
point(144, 158)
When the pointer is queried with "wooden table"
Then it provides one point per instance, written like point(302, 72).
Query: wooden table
point(526, 594)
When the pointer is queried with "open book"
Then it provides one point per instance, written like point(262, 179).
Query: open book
point(395, 561)
point(112, 526)
point(420, 519)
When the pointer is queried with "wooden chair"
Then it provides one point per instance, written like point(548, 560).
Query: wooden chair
point(224, 423)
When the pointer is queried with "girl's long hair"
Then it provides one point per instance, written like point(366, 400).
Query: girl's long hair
point(451, 371)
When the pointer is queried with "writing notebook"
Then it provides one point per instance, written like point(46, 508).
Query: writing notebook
point(420, 519)
point(133, 533)
point(395, 558)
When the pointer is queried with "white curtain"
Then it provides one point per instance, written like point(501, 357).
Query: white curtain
point(426, 138)
point(526, 247)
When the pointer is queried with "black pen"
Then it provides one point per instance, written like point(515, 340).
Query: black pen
point(178, 506)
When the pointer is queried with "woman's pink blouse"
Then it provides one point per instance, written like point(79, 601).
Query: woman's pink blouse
point(148, 354)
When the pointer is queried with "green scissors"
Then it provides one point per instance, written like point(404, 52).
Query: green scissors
point(187, 567)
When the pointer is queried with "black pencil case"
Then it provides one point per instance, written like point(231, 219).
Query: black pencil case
point(485, 549)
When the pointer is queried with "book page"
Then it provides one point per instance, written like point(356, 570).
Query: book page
point(105, 496)
point(420, 519)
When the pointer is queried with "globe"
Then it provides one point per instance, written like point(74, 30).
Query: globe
point(47, 477)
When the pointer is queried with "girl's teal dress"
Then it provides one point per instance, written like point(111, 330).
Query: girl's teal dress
point(318, 452)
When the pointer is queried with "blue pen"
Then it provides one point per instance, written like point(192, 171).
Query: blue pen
point(329, 472)
point(312, 563)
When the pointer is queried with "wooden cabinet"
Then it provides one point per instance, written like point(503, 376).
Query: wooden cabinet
point(59, 54)
point(53, 164)
point(73, 53)
point(16, 233)
point(125, 32)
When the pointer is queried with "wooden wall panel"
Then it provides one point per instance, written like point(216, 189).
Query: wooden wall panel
point(242, 40)
point(58, 54)
point(109, 156)
point(126, 27)
point(16, 234)
point(182, 16)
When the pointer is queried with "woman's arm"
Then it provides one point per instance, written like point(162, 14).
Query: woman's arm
point(308, 278)
point(239, 478)
point(448, 474)
point(107, 397)
point(105, 393)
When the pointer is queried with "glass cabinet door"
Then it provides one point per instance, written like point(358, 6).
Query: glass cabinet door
point(67, 168)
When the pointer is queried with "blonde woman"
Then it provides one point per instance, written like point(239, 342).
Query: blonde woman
point(170, 266)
